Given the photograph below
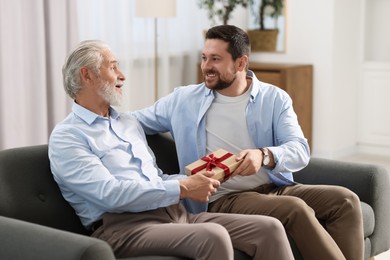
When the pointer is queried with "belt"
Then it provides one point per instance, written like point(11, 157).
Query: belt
point(96, 225)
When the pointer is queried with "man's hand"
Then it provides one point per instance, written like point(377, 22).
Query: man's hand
point(199, 187)
point(252, 160)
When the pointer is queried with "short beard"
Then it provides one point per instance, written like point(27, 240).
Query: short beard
point(222, 84)
point(110, 95)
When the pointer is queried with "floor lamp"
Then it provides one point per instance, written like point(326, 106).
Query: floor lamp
point(155, 9)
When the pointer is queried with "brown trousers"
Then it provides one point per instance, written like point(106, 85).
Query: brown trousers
point(172, 231)
point(299, 208)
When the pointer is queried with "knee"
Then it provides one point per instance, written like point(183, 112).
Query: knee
point(297, 208)
point(213, 233)
point(349, 199)
point(276, 227)
point(276, 233)
point(351, 196)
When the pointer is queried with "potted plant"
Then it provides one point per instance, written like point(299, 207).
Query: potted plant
point(221, 9)
point(262, 38)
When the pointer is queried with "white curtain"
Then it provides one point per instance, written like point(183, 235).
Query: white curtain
point(35, 38)
point(132, 41)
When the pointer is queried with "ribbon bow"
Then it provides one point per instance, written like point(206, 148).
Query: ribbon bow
point(213, 161)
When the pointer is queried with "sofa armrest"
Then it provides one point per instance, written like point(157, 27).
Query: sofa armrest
point(25, 240)
point(370, 182)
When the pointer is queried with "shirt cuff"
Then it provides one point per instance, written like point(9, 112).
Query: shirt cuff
point(278, 155)
point(172, 188)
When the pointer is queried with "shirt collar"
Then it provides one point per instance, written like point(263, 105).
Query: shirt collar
point(255, 85)
point(88, 116)
point(207, 91)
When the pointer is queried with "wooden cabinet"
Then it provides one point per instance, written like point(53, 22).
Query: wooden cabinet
point(296, 80)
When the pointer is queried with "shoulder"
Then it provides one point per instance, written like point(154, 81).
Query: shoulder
point(67, 129)
point(268, 90)
point(269, 96)
point(190, 90)
point(66, 124)
point(185, 96)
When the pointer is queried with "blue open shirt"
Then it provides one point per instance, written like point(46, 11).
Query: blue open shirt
point(270, 116)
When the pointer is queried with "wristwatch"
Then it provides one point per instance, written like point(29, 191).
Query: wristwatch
point(266, 159)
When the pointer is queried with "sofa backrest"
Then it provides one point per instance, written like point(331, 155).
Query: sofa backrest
point(28, 191)
point(164, 149)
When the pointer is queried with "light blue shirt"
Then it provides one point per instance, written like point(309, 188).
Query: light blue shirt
point(271, 121)
point(104, 165)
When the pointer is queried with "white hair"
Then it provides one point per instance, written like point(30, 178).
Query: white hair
point(85, 54)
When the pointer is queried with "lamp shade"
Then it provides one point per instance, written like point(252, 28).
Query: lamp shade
point(155, 8)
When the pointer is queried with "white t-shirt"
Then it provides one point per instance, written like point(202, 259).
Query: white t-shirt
point(226, 128)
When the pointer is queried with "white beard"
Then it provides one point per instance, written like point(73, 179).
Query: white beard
point(109, 93)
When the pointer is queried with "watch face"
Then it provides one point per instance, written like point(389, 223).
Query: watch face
point(266, 160)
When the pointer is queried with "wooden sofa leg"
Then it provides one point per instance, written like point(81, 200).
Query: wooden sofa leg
point(372, 258)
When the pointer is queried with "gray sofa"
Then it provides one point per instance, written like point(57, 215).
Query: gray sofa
point(25, 240)
point(37, 223)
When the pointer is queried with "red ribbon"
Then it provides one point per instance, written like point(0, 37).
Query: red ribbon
point(213, 161)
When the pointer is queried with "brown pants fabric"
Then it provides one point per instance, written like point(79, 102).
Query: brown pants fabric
point(172, 231)
point(299, 208)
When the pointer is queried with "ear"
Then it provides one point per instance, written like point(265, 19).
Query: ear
point(242, 62)
point(85, 74)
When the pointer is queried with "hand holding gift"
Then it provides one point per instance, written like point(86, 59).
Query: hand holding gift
point(198, 187)
point(221, 162)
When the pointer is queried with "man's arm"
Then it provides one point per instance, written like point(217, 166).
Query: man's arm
point(82, 175)
point(284, 141)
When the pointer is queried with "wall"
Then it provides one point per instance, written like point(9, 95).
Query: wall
point(373, 121)
point(345, 70)
point(326, 34)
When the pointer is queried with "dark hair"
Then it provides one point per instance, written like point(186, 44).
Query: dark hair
point(237, 39)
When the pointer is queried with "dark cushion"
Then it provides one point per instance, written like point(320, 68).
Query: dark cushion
point(28, 191)
point(164, 148)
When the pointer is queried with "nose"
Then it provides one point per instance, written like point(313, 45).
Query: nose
point(121, 76)
point(204, 65)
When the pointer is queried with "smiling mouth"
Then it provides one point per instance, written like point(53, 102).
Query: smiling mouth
point(210, 74)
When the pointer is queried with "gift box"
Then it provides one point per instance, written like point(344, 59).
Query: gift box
point(221, 162)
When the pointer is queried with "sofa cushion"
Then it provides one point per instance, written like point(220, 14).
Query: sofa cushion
point(368, 219)
point(24, 240)
point(28, 191)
